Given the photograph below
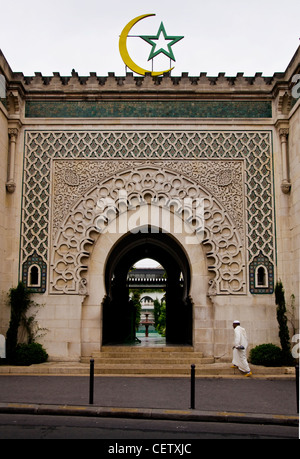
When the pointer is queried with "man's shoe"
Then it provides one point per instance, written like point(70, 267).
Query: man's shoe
point(248, 374)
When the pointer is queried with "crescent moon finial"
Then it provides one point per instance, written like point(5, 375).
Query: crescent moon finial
point(124, 51)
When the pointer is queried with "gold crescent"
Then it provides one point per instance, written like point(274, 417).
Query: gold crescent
point(125, 54)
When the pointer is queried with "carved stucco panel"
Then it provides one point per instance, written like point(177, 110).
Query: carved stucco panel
point(80, 184)
point(197, 150)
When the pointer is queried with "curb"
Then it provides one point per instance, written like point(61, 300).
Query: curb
point(149, 413)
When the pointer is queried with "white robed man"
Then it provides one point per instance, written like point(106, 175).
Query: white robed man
point(239, 359)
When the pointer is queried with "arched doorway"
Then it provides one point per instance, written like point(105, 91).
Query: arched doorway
point(118, 313)
point(86, 256)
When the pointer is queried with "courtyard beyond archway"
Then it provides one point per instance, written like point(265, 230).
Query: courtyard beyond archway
point(118, 310)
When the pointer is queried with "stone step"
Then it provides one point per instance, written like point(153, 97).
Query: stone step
point(203, 370)
point(173, 355)
point(208, 369)
point(132, 355)
point(150, 370)
point(146, 349)
point(160, 361)
point(147, 355)
point(149, 360)
point(143, 360)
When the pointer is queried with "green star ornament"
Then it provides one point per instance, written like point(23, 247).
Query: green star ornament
point(151, 40)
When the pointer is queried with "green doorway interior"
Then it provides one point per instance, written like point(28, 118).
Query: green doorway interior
point(147, 281)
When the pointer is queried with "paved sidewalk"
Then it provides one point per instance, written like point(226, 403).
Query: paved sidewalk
point(216, 399)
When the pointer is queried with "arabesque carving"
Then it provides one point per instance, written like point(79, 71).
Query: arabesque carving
point(94, 199)
point(215, 161)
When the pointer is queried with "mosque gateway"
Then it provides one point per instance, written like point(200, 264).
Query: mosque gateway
point(200, 173)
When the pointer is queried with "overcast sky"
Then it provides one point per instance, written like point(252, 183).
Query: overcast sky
point(228, 36)
point(147, 263)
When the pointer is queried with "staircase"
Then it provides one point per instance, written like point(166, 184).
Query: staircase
point(160, 361)
point(147, 361)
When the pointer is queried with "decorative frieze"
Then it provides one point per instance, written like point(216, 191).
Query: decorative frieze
point(148, 109)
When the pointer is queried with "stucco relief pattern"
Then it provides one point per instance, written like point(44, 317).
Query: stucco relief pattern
point(155, 183)
point(171, 146)
point(223, 179)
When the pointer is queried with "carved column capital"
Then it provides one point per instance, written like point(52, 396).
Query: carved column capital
point(283, 133)
point(13, 134)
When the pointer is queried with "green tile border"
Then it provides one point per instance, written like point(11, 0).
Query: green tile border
point(148, 109)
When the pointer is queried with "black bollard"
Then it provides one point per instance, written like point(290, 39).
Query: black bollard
point(91, 381)
point(297, 386)
point(192, 387)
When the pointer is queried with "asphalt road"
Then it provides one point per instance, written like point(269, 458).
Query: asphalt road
point(264, 397)
point(238, 395)
point(31, 427)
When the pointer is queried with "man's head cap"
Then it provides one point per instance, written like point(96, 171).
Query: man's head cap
point(236, 321)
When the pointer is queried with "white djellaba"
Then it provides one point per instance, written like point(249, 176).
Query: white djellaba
point(239, 359)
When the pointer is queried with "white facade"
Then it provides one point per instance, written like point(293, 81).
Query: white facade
point(229, 142)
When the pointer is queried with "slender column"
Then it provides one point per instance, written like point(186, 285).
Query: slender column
point(285, 184)
point(10, 184)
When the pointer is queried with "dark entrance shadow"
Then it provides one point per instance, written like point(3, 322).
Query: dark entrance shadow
point(118, 310)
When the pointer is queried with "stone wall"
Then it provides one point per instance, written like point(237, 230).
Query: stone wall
point(76, 136)
point(292, 271)
point(4, 277)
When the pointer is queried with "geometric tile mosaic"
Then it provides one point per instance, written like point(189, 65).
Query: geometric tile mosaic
point(157, 109)
point(260, 261)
